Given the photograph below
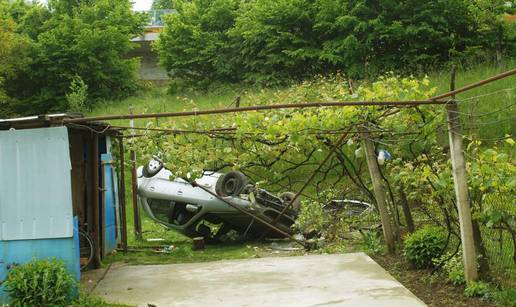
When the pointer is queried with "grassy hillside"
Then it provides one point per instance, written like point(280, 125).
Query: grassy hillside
point(158, 100)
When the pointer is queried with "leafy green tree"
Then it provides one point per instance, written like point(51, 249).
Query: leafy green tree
point(377, 36)
point(195, 45)
point(88, 39)
point(13, 55)
point(276, 41)
point(498, 34)
point(163, 4)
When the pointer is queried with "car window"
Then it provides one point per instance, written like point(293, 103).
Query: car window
point(162, 209)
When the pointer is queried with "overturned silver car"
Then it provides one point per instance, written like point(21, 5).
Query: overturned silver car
point(203, 211)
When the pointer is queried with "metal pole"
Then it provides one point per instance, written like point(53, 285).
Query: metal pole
point(121, 196)
point(379, 193)
point(259, 108)
point(271, 226)
point(134, 185)
point(461, 187)
point(96, 196)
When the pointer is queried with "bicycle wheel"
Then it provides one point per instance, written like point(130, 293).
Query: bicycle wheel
point(86, 249)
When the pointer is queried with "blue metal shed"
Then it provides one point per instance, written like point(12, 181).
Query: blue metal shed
point(56, 182)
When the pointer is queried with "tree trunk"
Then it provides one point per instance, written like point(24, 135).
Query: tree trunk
point(406, 210)
point(483, 261)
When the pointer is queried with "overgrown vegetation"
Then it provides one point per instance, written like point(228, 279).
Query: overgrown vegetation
point(277, 149)
point(276, 41)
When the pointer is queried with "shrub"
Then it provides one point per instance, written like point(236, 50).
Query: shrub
point(424, 245)
point(478, 289)
point(453, 267)
point(40, 283)
point(506, 297)
point(311, 218)
point(371, 241)
point(78, 95)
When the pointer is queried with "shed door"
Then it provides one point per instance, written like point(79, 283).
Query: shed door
point(110, 201)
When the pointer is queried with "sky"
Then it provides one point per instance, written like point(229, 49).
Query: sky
point(141, 5)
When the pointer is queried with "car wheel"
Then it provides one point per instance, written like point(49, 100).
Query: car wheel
point(231, 184)
point(287, 197)
point(152, 168)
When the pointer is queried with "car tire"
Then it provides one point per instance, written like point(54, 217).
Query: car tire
point(287, 198)
point(231, 184)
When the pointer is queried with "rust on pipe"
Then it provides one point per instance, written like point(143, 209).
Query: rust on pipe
point(95, 201)
point(271, 226)
point(476, 84)
point(410, 103)
point(121, 196)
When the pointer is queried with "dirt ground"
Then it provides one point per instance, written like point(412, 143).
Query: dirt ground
point(433, 290)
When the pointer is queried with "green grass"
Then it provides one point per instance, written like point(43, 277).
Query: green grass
point(498, 124)
point(494, 125)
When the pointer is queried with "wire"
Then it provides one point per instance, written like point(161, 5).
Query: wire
point(485, 114)
point(90, 128)
point(488, 94)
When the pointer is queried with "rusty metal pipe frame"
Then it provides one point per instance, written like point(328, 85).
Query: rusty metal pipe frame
point(121, 195)
point(271, 226)
point(96, 200)
point(476, 84)
point(410, 103)
point(312, 176)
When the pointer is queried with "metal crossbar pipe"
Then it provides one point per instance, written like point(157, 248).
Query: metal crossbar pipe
point(410, 103)
point(476, 84)
point(271, 226)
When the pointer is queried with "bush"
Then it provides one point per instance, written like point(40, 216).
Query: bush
point(372, 242)
point(311, 219)
point(40, 283)
point(453, 267)
point(424, 245)
point(478, 289)
point(506, 297)
point(78, 95)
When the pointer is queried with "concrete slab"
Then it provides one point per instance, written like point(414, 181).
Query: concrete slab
point(315, 280)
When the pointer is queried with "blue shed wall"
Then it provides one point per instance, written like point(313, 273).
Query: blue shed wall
point(35, 200)
point(25, 250)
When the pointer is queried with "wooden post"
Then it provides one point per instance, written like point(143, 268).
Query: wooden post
point(461, 187)
point(198, 243)
point(121, 196)
point(96, 200)
point(379, 192)
point(134, 185)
